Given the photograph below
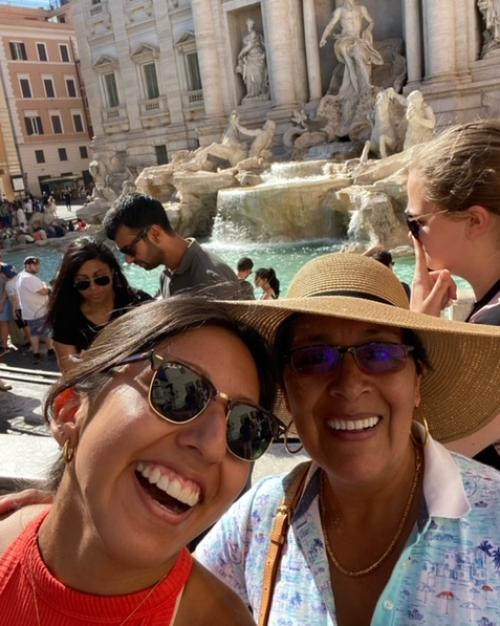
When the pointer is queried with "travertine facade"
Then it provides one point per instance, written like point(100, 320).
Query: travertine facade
point(45, 108)
point(163, 75)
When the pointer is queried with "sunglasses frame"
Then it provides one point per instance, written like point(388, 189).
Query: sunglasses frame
point(353, 351)
point(90, 281)
point(156, 361)
point(414, 225)
point(129, 248)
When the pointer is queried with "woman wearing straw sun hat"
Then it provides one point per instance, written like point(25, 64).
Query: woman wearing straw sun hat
point(385, 525)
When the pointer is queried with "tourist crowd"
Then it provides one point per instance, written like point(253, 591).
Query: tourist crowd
point(164, 405)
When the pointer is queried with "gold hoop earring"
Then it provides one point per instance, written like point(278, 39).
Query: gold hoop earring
point(68, 452)
point(287, 445)
point(426, 426)
point(426, 434)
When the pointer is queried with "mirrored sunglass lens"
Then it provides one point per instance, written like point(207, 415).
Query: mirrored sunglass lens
point(315, 359)
point(179, 393)
point(250, 431)
point(381, 357)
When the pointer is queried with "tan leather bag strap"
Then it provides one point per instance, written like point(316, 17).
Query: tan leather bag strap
point(281, 524)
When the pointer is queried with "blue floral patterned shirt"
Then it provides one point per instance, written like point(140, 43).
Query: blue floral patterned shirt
point(447, 575)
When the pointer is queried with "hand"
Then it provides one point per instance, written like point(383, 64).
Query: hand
point(322, 43)
point(13, 501)
point(431, 291)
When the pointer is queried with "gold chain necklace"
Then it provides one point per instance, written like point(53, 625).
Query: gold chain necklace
point(390, 547)
point(143, 601)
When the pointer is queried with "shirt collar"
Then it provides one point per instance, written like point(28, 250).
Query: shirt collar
point(186, 260)
point(444, 492)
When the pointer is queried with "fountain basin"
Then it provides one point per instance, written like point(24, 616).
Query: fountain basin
point(284, 210)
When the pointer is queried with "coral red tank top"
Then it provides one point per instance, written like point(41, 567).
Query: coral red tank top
point(27, 588)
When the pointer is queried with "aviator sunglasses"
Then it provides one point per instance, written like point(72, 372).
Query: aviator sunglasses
point(371, 358)
point(414, 224)
point(83, 285)
point(178, 394)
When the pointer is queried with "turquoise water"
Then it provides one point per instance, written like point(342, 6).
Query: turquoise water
point(286, 259)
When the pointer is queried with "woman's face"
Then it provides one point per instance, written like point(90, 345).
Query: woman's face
point(261, 282)
point(86, 276)
point(356, 426)
point(124, 440)
point(442, 238)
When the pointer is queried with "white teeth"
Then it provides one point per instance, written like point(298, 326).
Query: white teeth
point(188, 494)
point(368, 422)
point(154, 477)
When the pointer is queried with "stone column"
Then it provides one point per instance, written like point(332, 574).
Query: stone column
point(278, 48)
point(439, 26)
point(208, 61)
point(413, 39)
point(312, 50)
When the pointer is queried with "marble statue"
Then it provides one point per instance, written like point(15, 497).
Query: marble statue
point(389, 125)
point(353, 46)
point(261, 145)
point(490, 9)
point(420, 120)
point(97, 170)
point(119, 172)
point(252, 64)
point(399, 123)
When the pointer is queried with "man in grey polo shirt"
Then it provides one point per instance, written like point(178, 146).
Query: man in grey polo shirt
point(140, 227)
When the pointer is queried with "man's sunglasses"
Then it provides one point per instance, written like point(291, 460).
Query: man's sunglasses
point(371, 358)
point(179, 394)
point(414, 224)
point(83, 285)
point(129, 249)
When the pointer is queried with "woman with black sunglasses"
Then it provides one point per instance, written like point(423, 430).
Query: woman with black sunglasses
point(454, 217)
point(154, 426)
point(90, 290)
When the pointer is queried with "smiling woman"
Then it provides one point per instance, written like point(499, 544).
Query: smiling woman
point(382, 504)
point(153, 424)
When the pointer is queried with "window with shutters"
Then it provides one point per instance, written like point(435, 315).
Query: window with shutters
point(56, 123)
point(48, 85)
point(33, 123)
point(63, 49)
point(42, 52)
point(78, 123)
point(17, 51)
point(71, 87)
point(25, 85)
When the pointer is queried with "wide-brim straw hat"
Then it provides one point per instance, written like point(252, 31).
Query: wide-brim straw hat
point(459, 395)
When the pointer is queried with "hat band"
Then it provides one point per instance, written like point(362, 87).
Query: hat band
point(354, 294)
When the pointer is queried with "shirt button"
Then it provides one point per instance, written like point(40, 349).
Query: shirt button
point(388, 605)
